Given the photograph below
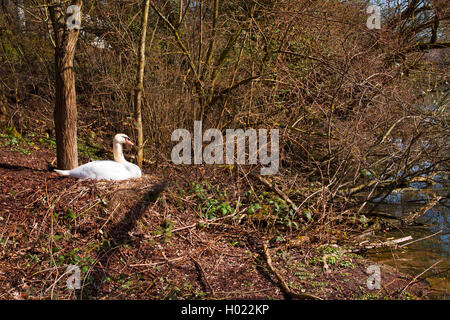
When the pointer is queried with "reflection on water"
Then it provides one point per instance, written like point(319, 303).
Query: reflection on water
point(417, 257)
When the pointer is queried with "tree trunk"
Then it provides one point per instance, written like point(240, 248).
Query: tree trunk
point(140, 84)
point(65, 112)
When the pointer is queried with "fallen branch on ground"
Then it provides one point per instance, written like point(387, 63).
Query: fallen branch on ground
point(283, 283)
point(390, 243)
point(276, 189)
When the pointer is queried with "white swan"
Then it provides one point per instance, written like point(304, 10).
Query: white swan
point(119, 169)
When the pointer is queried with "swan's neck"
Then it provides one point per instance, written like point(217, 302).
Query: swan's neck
point(118, 153)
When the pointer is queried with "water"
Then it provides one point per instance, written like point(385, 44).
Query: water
point(417, 257)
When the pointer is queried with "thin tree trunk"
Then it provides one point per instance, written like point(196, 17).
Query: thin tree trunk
point(65, 112)
point(140, 84)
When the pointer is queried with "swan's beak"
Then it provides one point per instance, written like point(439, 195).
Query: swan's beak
point(128, 141)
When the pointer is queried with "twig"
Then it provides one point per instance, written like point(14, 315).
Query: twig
point(404, 245)
point(109, 217)
point(156, 263)
point(283, 283)
point(411, 218)
point(416, 277)
point(276, 189)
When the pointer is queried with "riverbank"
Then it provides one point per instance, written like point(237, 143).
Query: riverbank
point(152, 238)
point(419, 212)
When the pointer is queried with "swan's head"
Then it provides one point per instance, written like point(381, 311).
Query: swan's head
point(122, 138)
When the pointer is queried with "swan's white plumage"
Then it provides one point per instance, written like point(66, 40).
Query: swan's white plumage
point(104, 169)
point(119, 169)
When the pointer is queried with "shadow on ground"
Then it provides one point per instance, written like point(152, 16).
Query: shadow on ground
point(119, 234)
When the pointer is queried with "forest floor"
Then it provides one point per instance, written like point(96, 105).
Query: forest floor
point(148, 238)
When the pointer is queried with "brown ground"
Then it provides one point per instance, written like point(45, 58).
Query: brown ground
point(142, 239)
